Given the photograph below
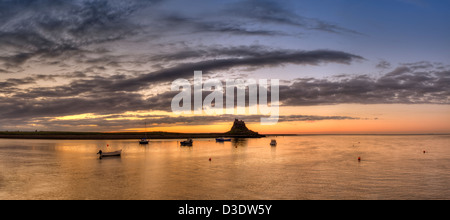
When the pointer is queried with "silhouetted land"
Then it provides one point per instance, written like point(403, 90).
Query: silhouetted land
point(113, 136)
point(154, 135)
point(239, 130)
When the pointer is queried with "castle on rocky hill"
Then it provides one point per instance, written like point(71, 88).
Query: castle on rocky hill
point(240, 129)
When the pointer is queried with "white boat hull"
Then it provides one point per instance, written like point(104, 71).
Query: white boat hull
point(111, 154)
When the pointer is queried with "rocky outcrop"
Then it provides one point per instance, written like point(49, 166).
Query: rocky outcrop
point(240, 129)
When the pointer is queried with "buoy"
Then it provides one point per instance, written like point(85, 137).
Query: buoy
point(424, 151)
point(359, 158)
point(210, 159)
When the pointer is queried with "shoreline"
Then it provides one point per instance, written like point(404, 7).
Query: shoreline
point(115, 136)
point(157, 135)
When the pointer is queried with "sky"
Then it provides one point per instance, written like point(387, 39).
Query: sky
point(345, 66)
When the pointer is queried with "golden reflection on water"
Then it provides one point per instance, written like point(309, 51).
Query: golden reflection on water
point(300, 167)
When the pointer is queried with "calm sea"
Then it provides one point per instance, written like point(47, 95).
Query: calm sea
point(298, 168)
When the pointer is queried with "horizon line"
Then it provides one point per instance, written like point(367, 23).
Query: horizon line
point(267, 134)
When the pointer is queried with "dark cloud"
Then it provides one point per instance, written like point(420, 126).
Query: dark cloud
point(404, 85)
point(239, 19)
point(204, 24)
point(383, 64)
point(106, 123)
point(4, 71)
point(257, 54)
point(215, 52)
point(49, 28)
point(272, 12)
point(400, 86)
point(100, 95)
point(250, 58)
point(120, 93)
point(20, 107)
point(52, 29)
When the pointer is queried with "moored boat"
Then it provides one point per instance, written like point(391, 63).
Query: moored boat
point(109, 154)
point(222, 139)
point(188, 143)
point(273, 143)
point(143, 141)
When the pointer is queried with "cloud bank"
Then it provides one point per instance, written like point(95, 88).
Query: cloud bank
point(408, 84)
point(109, 57)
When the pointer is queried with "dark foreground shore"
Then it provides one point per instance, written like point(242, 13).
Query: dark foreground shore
point(116, 136)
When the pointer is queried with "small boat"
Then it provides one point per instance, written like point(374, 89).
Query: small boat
point(222, 139)
point(110, 154)
point(273, 143)
point(143, 141)
point(188, 143)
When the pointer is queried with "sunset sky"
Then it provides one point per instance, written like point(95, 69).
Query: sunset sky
point(345, 66)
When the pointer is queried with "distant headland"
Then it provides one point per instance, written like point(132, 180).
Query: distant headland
point(239, 130)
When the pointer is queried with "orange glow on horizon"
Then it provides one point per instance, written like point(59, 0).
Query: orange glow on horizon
point(216, 128)
point(368, 119)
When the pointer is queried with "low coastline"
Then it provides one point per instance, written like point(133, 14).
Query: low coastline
point(160, 135)
point(116, 136)
point(239, 130)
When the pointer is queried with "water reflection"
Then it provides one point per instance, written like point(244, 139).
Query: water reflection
point(239, 142)
point(305, 167)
